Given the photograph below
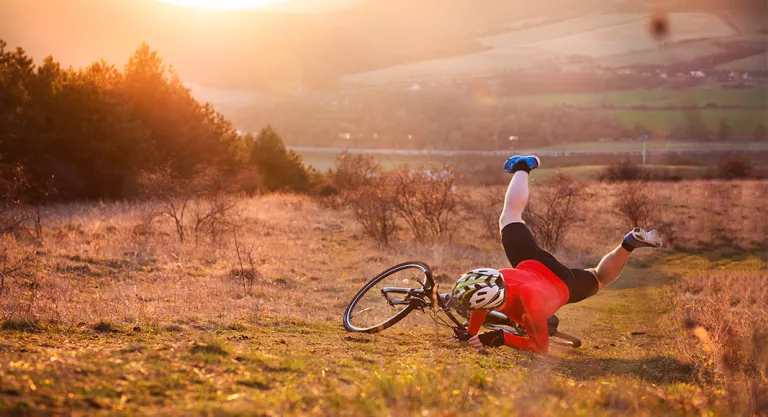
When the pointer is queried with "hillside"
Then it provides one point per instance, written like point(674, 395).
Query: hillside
point(114, 321)
point(591, 42)
point(276, 49)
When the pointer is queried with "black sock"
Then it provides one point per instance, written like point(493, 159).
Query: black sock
point(627, 246)
point(520, 166)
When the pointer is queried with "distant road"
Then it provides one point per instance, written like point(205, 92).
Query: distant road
point(502, 153)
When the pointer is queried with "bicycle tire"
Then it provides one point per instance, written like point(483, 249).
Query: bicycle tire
point(428, 283)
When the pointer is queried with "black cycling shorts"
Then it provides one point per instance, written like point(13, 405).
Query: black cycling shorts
point(520, 245)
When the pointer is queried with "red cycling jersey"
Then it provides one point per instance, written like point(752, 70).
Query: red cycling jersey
point(533, 294)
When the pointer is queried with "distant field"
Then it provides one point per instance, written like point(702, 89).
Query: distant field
point(653, 98)
point(324, 161)
point(612, 39)
point(742, 121)
point(669, 54)
point(660, 146)
point(632, 35)
point(757, 62)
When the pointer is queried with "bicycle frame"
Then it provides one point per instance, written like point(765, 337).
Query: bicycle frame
point(423, 299)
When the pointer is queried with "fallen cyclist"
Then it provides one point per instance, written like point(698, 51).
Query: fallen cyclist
point(538, 284)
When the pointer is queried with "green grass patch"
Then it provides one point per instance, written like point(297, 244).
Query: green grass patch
point(652, 98)
point(742, 121)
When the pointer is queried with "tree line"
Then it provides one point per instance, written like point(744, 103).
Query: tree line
point(93, 131)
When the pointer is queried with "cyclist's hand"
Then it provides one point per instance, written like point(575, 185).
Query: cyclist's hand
point(475, 342)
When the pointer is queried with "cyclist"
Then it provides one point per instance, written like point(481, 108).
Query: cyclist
point(539, 284)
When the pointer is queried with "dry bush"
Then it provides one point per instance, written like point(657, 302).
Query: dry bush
point(374, 209)
point(20, 202)
point(485, 208)
point(203, 205)
point(624, 170)
point(352, 173)
point(249, 181)
point(635, 204)
point(213, 210)
point(735, 166)
point(355, 171)
point(18, 286)
point(249, 263)
point(553, 210)
point(427, 201)
point(726, 314)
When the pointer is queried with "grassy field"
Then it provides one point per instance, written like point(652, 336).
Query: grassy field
point(663, 120)
point(465, 164)
point(611, 39)
point(757, 62)
point(114, 317)
point(654, 98)
point(741, 121)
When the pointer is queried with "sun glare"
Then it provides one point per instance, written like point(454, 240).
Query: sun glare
point(223, 4)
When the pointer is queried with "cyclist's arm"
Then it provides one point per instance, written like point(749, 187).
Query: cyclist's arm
point(538, 335)
point(476, 319)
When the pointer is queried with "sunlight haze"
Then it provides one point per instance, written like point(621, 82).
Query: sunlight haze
point(223, 4)
point(383, 207)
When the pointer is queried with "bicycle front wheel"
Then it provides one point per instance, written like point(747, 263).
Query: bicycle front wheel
point(389, 297)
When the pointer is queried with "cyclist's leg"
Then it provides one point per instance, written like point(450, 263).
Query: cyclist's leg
point(611, 266)
point(515, 200)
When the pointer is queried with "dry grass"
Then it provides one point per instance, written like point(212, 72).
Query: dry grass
point(102, 286)
point(97, 265)
point(726, 314)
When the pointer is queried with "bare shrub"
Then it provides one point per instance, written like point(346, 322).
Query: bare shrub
point(18, 286)
point(735, 166)
point(171, 196)
point(427, 201)
point(352, 173)
point(249, 181)
point(213, 209)
point(485, 208)
point(635, 204)
point(20, 202)
point(553, 210)
point(355, 171)
point(249, 262)
point(202, 205)
point(624, 170)
point(374, 208)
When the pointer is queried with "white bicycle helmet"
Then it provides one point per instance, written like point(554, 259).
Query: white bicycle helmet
point(480, 289)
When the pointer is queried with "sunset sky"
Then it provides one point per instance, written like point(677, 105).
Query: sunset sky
point(224, 4)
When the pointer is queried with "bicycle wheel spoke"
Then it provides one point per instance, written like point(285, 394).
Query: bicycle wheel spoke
point(386, 297)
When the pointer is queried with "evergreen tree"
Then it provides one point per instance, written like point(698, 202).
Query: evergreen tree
point(280, 169)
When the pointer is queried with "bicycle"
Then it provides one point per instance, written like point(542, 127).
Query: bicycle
point(410, 286)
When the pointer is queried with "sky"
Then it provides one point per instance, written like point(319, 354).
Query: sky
point(224, 4)
point(289, 6)
point(207, 45)
point(266, 44)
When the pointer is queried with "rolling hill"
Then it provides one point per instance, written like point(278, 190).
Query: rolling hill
point(278, 48)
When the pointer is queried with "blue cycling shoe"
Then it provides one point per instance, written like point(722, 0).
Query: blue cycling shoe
point(531, 162)
point(639, 238)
